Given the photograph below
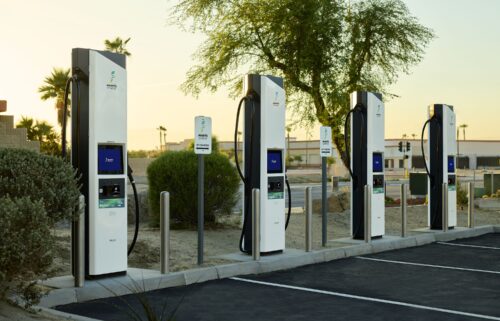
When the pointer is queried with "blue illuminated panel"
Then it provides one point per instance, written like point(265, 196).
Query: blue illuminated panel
point(110, 159)
point(378, 163)
point(451, 164)
point(274, 162)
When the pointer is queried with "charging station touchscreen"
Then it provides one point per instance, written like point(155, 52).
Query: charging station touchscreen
point(378, 165)
point(110, 159)
point(451, 164)
point(274, 162)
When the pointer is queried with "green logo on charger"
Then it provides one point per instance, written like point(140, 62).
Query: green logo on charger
point(110, 84)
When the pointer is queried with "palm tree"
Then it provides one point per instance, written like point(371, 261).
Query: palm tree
point(54, 87)
point(464, 126)
point(413, 136)
point(29, 124)
point(117, 45)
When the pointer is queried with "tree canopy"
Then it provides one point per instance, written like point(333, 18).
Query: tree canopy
point(324, 49)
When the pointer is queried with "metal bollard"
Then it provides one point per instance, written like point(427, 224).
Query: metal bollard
point(403, 210)
point(444, 198)
point(164, 232)
point(368, 213)
point(79, 255)
point(308, 217)
point(471, 220)
point(256, 224)
point(492, 184)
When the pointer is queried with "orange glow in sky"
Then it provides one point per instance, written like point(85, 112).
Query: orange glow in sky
point(461, 66)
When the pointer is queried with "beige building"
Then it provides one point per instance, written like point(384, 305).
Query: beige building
point(11, 137)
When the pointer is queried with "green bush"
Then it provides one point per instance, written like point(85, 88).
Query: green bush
point(25, 246)
point(36, 191)
point(40, 177)
point(462, 197)
point(176, 172)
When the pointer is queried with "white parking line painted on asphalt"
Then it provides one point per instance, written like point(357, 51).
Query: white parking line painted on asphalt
point(427, 265)
point(470, 245)
point(365, 298)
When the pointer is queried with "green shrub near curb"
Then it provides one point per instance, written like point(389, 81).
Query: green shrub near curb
point(176, 172)
point(25, 246)
point(36, 191)
point(40, 177)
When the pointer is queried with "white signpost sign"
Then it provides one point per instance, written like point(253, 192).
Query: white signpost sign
point(325, 141)
point(202, 135)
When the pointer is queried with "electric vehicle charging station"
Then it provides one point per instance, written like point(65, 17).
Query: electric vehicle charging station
point(264, 151)
point(367, 161)
point(99, 153)
point(441, 148)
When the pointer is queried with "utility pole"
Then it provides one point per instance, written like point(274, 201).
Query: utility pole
point(163, 134)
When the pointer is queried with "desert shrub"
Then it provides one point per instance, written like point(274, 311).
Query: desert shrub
point(176, 172)
point(25, 246)
point(462, 197)
point(45, 178)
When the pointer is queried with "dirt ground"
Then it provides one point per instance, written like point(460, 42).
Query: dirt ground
point(183, 243)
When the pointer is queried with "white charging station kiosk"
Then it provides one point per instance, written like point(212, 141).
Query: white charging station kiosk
point(264, 160)
point(441, 148)
point(99, 153)
point(367, 146)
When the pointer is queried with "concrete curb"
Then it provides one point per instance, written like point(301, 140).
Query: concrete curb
point(152, 280)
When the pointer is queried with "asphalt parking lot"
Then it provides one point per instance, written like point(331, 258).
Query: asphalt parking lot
point(458, 280)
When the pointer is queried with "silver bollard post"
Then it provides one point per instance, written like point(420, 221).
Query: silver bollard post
point(471, 221)
point(164, 232)
point(444, 198)
point(403, 210)
point(79, 255)
point(492, 184)
point(256, 224)
point(308, 218)
point(368, 213)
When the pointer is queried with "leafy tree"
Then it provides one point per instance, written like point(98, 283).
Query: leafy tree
point(324, 49)
point(54, 87)
point(117, 45)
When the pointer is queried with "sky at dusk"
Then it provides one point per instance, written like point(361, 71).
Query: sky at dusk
point(461, 66)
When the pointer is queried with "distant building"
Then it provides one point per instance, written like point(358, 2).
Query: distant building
point(473, 154)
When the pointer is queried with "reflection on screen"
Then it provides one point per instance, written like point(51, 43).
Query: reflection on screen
point(274, 161)
point(110, 159)
point(451, 164)
point(378, 164)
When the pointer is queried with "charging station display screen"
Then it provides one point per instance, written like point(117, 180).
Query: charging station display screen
point(110, 159)
point(378, 163)
point(274, 161)
point(451, 164)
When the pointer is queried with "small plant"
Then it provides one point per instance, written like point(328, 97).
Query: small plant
point(138, 291)
point(462, 198)
point(176, 172)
